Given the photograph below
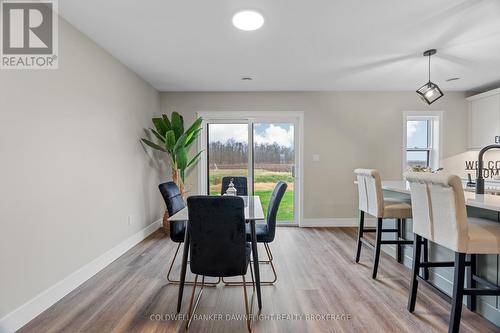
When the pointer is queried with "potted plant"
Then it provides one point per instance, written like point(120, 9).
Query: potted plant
point(173, 140)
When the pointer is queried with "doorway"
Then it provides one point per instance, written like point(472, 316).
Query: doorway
point(264, 148)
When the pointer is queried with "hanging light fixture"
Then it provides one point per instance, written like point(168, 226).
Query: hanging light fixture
point(430, 92)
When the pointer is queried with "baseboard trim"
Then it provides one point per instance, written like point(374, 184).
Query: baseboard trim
point(29, 310)
point(336, 222)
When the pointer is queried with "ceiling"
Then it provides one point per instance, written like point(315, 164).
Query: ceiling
point(376, 45)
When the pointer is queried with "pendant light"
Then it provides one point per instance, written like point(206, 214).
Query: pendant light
point(430, 92)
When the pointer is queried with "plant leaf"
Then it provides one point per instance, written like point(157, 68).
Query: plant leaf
point(190, 139)
point(170, 140)
point(168, 125)
point(181, 142)
point(181, 157)
point(158, 135)
point(153, 145)
point(160, 126)
point(196, 125)
point(194, 159)
point(177, 124)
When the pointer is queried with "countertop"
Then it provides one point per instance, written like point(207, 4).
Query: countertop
point(484, 201)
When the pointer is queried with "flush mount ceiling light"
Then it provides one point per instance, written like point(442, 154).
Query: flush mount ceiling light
point(248, 20)
point(430, 92)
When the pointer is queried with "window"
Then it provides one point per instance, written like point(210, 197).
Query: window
point(421, 139)
point(418, 143)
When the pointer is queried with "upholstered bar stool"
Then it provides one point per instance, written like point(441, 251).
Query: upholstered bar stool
point(440, 215)
point(372, 202)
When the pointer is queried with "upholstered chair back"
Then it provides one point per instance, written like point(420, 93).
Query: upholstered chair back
point(370, 196)
point(272, 210)
point(439, 212)
point(217, 229)
point(240, 184)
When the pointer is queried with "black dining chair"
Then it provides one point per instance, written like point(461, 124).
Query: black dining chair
point(265, 232)
point(173, 199)
point(240, 183)
point(218, 245)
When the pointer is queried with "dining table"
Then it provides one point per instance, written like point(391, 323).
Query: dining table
point(253, 213)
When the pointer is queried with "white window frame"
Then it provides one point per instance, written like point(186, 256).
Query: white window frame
point(435, 135)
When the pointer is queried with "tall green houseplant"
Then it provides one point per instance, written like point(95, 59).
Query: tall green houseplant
point(173, 140)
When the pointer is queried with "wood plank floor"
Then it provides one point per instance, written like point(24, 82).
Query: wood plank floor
point(316, 275)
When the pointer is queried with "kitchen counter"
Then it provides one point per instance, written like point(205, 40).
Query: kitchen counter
point(483, 201)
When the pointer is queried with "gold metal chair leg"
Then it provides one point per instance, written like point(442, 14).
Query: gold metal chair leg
point(253, 280)
point(247, 309)
point(268, 249)
point(172, 265)
point(192, 310)
point(186, 283)
point(262, 283)
point(270, 256)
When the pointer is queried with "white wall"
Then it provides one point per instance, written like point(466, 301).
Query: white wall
point(72, 167)
point(347, 130)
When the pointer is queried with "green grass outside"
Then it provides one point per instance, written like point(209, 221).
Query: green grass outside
point(264, 177)
point(261, 176)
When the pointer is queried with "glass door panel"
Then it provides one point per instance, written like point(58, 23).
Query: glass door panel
point(227, 152)
point(274, 160)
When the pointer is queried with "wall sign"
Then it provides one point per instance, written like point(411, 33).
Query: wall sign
point(490, 168)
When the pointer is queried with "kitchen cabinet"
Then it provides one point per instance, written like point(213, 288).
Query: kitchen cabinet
point(484, 119)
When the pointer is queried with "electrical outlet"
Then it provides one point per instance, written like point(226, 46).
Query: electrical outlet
point(130, 220)
point(316, 157)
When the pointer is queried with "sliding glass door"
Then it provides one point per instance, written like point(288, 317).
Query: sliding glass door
point(273, 161)
point(263, 150)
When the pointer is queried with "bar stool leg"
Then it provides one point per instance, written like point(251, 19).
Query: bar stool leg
point(399, 247)
point(426, 259)
point(471, 283)
point(376, 254)
point(458, 293)
point(414, 273)
point(360, 233)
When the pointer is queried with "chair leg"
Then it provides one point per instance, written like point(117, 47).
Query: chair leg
point(262, 283)
point(399, 247)
point(412, 299)
point(269, 255)
point(172, 264)
point(192, 309)
point(186, 283)
point(360, 234)
point(458, 293)
point(471, 283)
point(376, 253)
point(426, 259)
point(247, 309)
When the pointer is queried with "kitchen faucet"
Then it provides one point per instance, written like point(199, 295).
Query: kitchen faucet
point(480, 179)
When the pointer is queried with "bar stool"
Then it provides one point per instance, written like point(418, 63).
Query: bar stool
point(371, 201)
point(440, 215)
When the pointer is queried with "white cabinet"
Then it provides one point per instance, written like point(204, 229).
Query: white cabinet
point(484, 119)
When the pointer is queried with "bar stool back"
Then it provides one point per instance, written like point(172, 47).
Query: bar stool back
point(371, 201)
point(440, 215)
